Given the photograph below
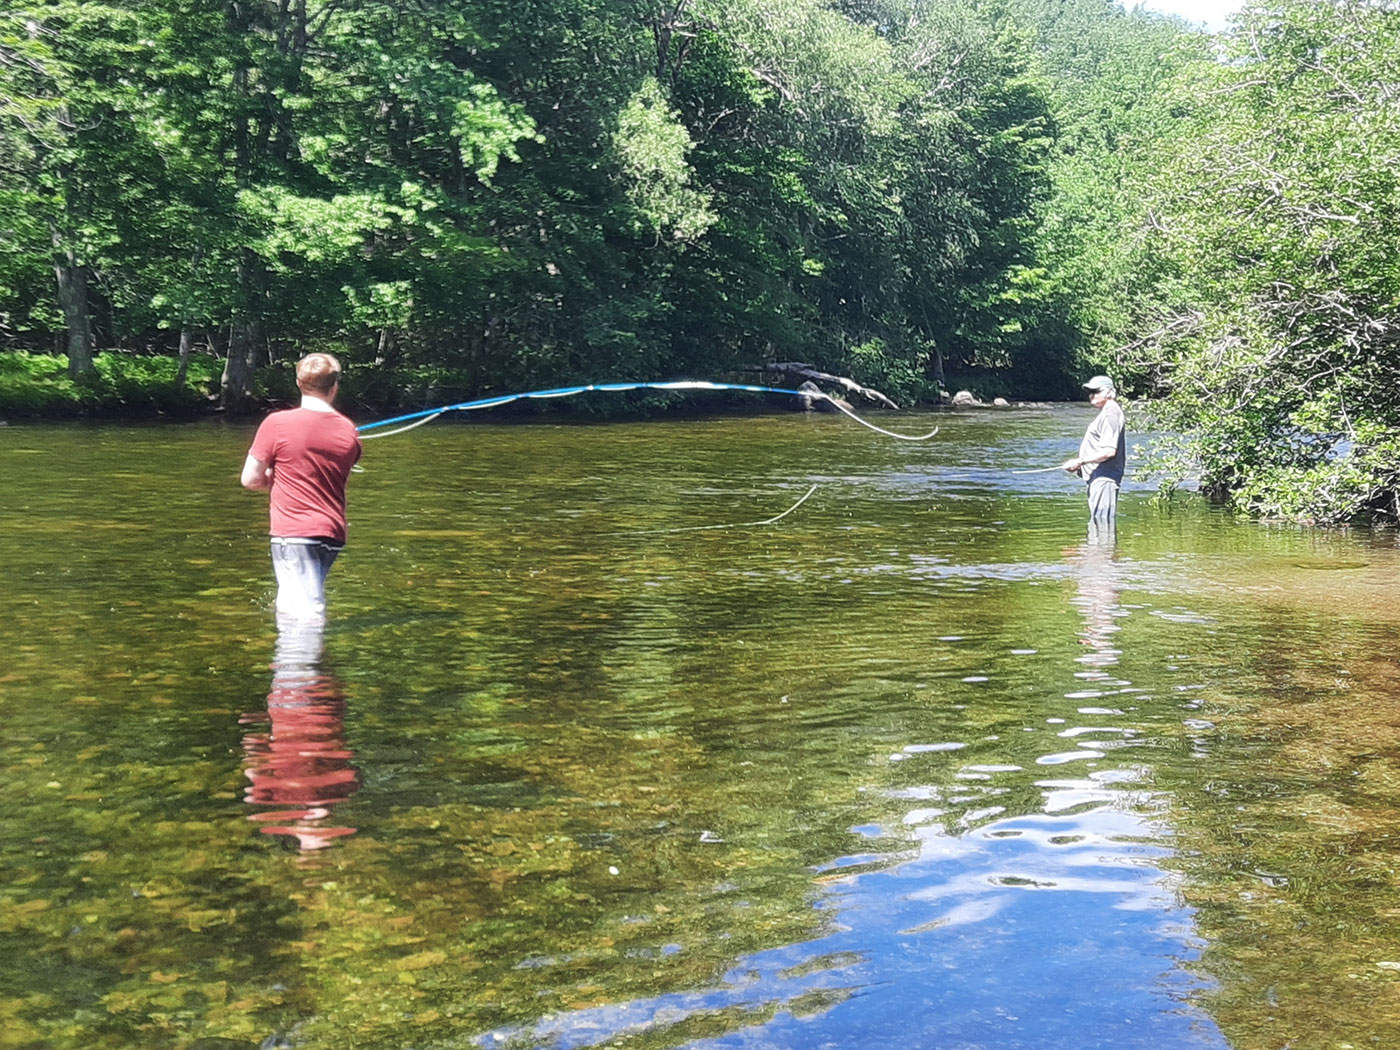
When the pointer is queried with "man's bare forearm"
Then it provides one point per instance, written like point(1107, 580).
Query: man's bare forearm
point(256, 475)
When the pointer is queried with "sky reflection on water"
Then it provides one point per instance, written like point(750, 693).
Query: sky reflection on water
point(1050, 929)
point(1018, 911)
point(1015, 925)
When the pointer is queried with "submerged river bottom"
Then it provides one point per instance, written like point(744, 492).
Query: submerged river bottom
point(575, 763)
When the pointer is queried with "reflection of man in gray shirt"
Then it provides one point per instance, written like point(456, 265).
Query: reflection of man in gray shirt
point(1102, 453)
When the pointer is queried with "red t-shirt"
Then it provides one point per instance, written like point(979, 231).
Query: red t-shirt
point(311, 454)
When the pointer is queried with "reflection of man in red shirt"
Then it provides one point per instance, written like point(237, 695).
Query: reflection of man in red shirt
point(300, 769)
point(304, 455)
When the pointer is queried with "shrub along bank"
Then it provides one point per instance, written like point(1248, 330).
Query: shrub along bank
point(39, 386)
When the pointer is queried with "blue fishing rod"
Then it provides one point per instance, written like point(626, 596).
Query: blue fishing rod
point(427, 415)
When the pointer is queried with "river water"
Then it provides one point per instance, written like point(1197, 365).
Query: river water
point(571, 766)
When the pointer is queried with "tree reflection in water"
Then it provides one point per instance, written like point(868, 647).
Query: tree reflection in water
point(300, 769)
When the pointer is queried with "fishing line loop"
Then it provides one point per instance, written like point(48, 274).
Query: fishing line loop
point(733, 525)
point(400, 430)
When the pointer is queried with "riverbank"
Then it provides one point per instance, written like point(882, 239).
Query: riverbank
point(128, 386)
point(38, 386)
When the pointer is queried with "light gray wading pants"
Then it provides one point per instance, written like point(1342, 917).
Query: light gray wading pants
point(1103, 502)
point(301, 567)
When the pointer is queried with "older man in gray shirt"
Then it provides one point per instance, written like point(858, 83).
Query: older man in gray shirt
point(1102, 453)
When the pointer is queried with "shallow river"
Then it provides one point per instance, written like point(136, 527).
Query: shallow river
point(911, 766)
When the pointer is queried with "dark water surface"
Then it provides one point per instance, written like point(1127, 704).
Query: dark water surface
point(913, 766)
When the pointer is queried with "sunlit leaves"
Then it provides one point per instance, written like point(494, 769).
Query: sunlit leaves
point(310, 227)
point(567, 190)
point(1276, 318)
point(653, 148)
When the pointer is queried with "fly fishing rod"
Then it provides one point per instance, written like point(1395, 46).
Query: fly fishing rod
point(427, 415)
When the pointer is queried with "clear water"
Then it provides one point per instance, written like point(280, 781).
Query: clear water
point(913, 766)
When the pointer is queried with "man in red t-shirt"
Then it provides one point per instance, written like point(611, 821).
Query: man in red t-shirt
point(304, 455)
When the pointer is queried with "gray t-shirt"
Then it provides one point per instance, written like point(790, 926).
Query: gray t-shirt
point(1105, 434)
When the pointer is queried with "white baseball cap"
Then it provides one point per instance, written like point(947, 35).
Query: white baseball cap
point(1100, 384)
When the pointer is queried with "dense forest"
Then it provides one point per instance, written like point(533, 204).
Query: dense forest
point(482, 196)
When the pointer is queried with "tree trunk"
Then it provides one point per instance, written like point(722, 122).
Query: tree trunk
point(386, 355)
point(72, 280)
point(236, 385)
point(245, 334)
point(186, 344)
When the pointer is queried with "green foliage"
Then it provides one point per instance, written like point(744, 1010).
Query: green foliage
point(874, 363)
point(1219, 238)
point(121, 385)
point(1112, 76)
point(653, 148)
point(310, 229)
point(536, 193)
point(530, 192)
point(1269, 318)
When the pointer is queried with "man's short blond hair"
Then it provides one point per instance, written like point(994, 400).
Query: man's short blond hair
point(317, 374)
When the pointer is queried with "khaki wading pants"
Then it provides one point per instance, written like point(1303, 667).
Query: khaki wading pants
point(1103, 500)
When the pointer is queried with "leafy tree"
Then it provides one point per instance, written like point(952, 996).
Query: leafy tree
point(1112, 76)
point(354, 136)
point(492, 194)
point(69, 127)
point(1274, 322)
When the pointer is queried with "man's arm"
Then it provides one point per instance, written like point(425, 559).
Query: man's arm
point(257, 475)
point(1074, 463)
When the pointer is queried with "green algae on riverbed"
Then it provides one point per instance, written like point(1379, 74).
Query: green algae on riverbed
point(916, 766)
